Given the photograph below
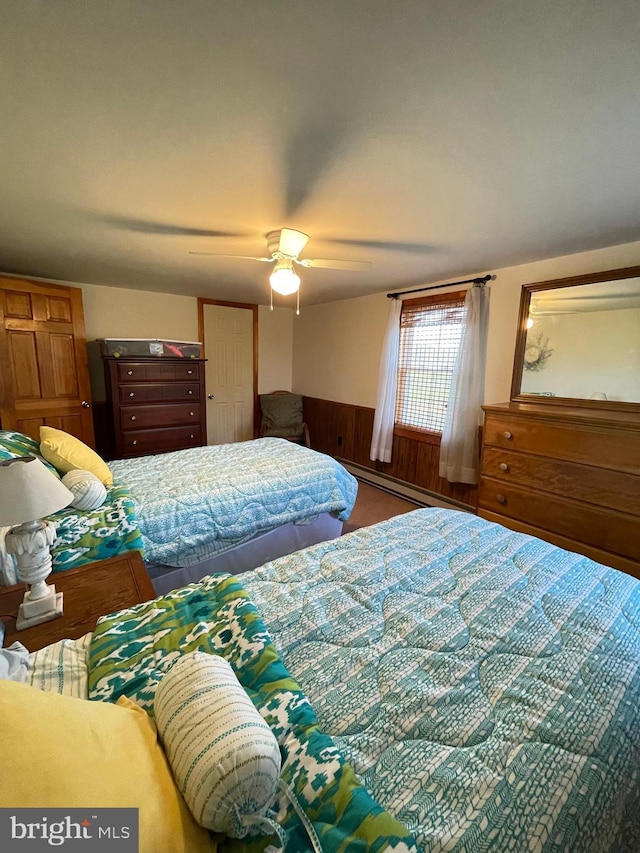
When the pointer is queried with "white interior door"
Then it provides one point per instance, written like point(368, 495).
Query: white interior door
point(228, 335)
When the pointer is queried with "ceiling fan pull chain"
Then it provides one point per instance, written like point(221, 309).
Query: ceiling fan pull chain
point(298, 301)
point(271, 292)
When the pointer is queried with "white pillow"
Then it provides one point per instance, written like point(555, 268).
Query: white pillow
point(223, 756)
point(88, 491)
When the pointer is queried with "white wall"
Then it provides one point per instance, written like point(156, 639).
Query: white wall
point(115, 312)
point(275, 349)
point(336, 346)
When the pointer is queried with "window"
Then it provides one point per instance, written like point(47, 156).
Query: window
point(430, 334)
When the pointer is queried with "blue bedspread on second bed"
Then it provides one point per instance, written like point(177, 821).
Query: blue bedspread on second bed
point(484, 684)
point(194, 503)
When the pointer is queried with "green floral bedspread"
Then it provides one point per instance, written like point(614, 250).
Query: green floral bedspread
point(83, 536)
point(131, 650)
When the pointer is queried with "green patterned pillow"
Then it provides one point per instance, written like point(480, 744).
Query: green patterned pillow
point(224, 757)
point(14, 444)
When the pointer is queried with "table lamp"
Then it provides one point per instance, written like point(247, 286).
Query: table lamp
point(28, 490)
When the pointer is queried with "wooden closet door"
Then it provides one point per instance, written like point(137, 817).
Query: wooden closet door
point(44, 378)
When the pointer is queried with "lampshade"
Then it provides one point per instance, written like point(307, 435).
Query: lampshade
point(28, 490)
point(283, 279)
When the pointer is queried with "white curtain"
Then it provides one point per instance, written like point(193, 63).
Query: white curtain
point(382, 439)
point(459, 451)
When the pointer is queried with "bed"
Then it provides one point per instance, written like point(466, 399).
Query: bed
point(259, 499)
point(214, 508)
point(483, 685)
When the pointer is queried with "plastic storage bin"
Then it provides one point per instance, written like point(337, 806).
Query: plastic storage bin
point(146, 347)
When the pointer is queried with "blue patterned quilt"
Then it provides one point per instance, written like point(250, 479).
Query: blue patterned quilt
point(194, 503)
point(483, 684)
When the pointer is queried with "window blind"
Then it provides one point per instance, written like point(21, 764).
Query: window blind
point(430, 334)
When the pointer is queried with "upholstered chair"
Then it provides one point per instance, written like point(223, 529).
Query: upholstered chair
point(282, 417)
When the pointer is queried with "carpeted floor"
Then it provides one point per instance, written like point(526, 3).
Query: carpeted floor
point(373, 505)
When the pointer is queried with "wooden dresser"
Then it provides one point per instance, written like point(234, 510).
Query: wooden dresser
point(567, 475)
point(156, 404)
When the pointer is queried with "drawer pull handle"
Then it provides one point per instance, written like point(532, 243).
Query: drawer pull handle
point(135, 441)
point(133, 417)
point(501, 499)
point(189, 392)
point(508, 435)
point(189, 372)
point(131, 394)
point(129, 372)
point(191, 413)
point(191, 436)
point(503, 466)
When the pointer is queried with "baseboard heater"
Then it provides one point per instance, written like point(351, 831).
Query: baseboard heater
point(402, 489)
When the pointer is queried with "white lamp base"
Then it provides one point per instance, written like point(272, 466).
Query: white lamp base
point(35, 611)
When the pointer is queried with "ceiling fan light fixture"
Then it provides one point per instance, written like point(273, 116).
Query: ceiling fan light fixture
point(283, 279)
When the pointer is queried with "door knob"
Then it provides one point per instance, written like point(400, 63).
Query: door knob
point(210, 396)
point(85, 405)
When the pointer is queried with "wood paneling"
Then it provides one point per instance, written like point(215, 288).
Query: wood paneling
point(344, 431)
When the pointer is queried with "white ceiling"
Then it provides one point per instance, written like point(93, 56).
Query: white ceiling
point(433, 139)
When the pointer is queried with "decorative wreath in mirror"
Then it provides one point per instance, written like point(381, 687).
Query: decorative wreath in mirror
point(537, 352)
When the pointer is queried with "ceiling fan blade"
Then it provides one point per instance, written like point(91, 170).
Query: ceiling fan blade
point(291, 242)
point(145, 226)
point(335, 265)
point(240, 257)
point(386, 245)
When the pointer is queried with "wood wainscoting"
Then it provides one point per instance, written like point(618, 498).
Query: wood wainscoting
point(344, 431)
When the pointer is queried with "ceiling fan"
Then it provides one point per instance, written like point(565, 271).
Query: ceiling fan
point(285, 245)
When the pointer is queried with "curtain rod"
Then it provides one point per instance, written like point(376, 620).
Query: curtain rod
point(481, 280)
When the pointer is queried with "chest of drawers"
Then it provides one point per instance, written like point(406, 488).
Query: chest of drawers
point(155, 404)
point(570, 476)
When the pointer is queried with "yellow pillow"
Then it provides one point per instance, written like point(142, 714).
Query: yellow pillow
point(63, 752)
point(66, 453)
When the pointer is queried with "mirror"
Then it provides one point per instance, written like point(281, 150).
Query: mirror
point(578, 341)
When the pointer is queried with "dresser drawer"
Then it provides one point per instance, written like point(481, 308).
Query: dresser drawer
point(586, 443)
point(160, 440)
point(171, 414)
point(613, 489)
point(159, 393)
point(157, 372)
point(606, 529)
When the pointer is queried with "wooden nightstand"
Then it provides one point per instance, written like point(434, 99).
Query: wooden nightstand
point(89, 591)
